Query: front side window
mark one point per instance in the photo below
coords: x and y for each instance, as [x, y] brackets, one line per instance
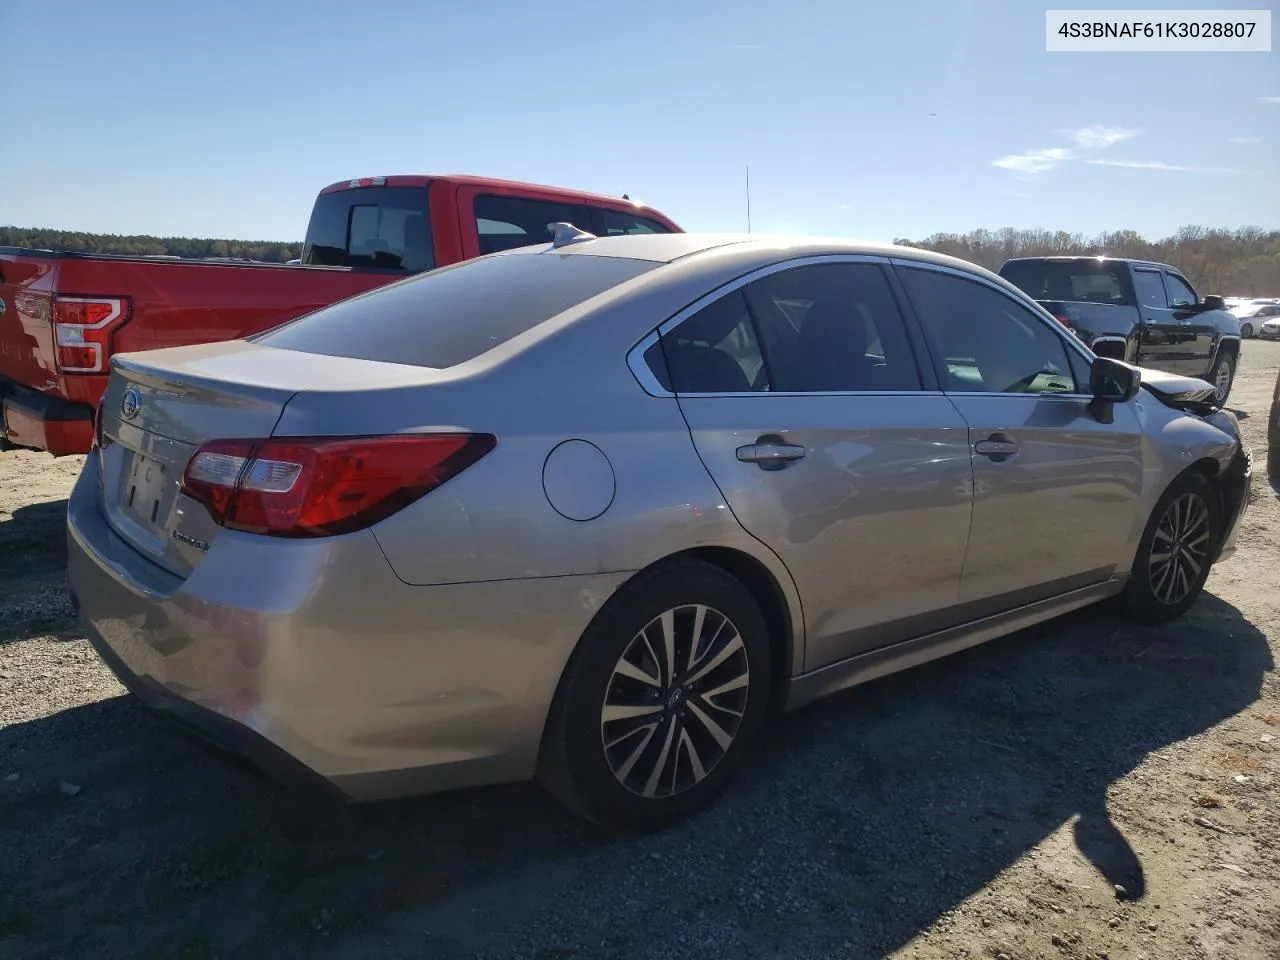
[984, 341]
[1180, 294]
[1150, 289]
[503, 223]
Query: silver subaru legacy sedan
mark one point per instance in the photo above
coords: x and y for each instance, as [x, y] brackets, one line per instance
[596, 511]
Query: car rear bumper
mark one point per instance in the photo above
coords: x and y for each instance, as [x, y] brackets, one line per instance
[311, 661]
[29, 418]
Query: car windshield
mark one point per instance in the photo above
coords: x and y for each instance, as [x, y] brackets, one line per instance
[452, 315]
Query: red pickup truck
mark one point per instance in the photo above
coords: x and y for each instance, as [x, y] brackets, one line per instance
[62, 315]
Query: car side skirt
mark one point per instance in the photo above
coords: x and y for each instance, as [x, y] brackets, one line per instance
[808, 687]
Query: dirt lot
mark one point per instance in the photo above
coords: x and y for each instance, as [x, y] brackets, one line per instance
[1085, 789]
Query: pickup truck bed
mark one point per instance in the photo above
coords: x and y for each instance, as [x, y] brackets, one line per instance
[64, 315]
[50, 407]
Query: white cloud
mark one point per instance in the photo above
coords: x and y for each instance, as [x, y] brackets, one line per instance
[1034, 161]
[1270, 99]
[747, 46]
[1159, 165]
[1099, 137]
[1248, 141]
[1087, 140]
[847, 207]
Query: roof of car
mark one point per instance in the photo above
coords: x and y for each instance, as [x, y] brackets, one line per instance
[749, 248]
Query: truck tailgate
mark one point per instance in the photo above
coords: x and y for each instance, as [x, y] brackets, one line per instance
[26, 329]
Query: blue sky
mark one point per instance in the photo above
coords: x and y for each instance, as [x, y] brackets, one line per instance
[872, 120]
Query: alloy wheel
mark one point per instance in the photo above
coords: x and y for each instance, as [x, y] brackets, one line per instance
[1222, 381]
[1180, 549]
[675, 701]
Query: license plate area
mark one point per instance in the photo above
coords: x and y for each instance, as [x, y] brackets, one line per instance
[146, 490]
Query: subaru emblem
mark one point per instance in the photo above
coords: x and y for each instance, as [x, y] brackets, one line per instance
[130, 404]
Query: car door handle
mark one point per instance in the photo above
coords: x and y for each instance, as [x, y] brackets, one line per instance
[765, 453]
[996, 448]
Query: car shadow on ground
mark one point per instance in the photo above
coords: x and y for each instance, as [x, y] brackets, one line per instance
[33, 558]
[861, 821]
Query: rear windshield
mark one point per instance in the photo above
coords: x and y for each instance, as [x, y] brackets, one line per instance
[1090, 281]
[454, 314]
[377, 227]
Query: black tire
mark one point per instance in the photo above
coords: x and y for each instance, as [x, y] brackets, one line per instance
[1224, 371]
[1246, 330]
[574, 765]
[1146, 597]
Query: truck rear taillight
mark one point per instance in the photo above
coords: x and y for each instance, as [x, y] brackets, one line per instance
[82, 331]
[320, 486]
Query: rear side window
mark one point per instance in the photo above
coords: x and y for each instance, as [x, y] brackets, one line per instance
[714, 351]
[378, 227]
[1087, 281]
[822, 328]
[454, 314]
[503, 223]
[832, 327]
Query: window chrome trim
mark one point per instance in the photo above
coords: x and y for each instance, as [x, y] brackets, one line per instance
[641, 371]
[649, 382]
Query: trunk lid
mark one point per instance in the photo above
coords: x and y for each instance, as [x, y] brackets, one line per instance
[161, 405]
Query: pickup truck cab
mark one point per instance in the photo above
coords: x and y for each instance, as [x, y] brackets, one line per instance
[63, 315]
[1141, 312]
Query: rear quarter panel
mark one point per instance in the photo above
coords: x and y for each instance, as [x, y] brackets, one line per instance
[495, 521]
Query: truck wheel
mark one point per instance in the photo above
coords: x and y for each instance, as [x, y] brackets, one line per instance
[1224, 371]
[662, 701]
[1176, 551]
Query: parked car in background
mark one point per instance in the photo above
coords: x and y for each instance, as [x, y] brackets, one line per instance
[590, 511]
[1253, 315]
[1269, 329]
[63, 315]
[1133, 310]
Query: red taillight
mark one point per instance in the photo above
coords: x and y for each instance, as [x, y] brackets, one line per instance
[320, 486]
[82, 330]
[1063, 319]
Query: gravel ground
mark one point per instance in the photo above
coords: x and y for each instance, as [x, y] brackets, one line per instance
[1086, 789]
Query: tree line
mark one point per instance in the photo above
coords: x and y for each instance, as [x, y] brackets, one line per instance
[1234, 263]
[1231, 263]
[141, 245]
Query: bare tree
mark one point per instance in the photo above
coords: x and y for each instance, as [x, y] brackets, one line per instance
[1244, 262]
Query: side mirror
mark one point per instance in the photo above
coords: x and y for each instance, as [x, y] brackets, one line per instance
[1111, 382]
[1213, 302]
